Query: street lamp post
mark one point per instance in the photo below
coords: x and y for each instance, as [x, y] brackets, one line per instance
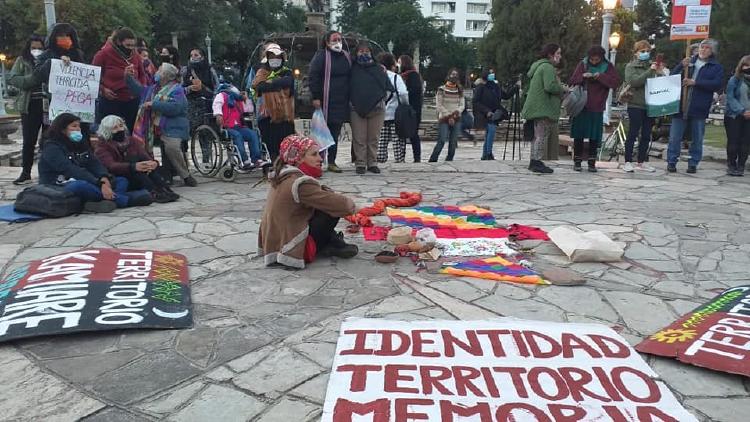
[2, 88]
[49, 13]
[208, 47]
[607, 18]
[614, 42]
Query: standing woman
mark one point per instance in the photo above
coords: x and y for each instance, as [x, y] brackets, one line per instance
[164, 113]
[486, 103]
[737, 118]
[637, 72]
[170, 54]
[450, 103]
[369, 88]
[400, 95]
[200, 82]
[274, 85]
[329, 85]
[542, 103]
[416, 95]
[598, 75]
[30, 102]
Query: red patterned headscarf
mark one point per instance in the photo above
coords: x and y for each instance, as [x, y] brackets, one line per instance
[293, 148]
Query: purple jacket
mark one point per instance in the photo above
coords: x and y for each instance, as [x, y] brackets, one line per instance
[598, 89]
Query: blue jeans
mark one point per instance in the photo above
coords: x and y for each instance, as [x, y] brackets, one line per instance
[489, 139]
[92, 193]
[240, 134]
[448, 133]
[697, 127]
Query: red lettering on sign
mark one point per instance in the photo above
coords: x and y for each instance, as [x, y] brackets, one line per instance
[577, 379]
[359, 375]
[570, 342]
[515, 375]
[448, 409]
[489, 380]
[463, 376]
[345, 409]
[654, 395]
[523, 351]
[536, 385]
[605, 344]
[359, 343]
[505, 412]
[647, 414]
[405, 414]
[494, 337]
[606, 383]
[430, 381]
[566, 413]
[387, 349]
[419, 342]
[393, 376]
[533, 338]
[473, 347]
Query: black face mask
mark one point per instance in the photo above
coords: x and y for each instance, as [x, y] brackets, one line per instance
[746, 71]
[118, 136]
[166, 58]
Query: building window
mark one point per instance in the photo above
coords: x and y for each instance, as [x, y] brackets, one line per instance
[444, 7]
[476, 8]
[448, 24]
[476, 25]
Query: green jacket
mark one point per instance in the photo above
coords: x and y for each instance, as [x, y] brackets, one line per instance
[545, 90]
[636, 73]
[21, 77]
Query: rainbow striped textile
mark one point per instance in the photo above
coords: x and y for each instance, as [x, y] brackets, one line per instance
[496, 268]
[443, 217]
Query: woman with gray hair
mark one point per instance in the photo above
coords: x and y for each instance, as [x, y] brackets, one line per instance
[163, 113]
[125, 156]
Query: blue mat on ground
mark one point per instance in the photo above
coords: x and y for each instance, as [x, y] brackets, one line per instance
[7, 213]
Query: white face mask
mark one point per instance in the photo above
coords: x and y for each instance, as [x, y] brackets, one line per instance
[35, 52]
[275, 63]
[337, 47]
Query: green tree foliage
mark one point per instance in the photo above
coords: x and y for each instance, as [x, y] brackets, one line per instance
[729, 20]
[651, 18]
[520, 29]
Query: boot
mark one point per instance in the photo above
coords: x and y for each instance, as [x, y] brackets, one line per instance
[339, 248]
[538, 166]
[592, 166]
[577, 164]
[731, 169]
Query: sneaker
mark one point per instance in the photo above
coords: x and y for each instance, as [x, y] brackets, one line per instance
[100, 207]
[333, 168]
[537, 166]
[360, 170]
[262, 163]
[628, 167]
[644, 167]
[374, 169]
[577, 165]
[692, 169]
[23, 179]
[190, 181]
[672, 168]
[248, 165]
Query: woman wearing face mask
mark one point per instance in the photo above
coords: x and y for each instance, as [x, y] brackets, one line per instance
[200, 82]
[170, 54]
[637, 72]
[274, 84]
[67, 160]
[329, 85]
[737, 118]
[301, 215]
[414, 85]
[125, 156]
[542, 105]
[599, 76]
[163, 112]
[30, 102]
[369, 87]
[450, 103]
[486, 104]
[399, 96]
[118, 53]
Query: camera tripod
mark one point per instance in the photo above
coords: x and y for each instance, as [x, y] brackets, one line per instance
[514, 126]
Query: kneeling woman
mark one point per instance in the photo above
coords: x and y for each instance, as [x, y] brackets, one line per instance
[67, 160]
[126, 156]
[301, 214]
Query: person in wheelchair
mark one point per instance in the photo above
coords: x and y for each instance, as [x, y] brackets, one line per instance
[229, 107]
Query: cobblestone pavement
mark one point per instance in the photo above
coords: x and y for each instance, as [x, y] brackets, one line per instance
[263, 340]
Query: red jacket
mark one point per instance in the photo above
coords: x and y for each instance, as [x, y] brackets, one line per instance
[113, 70]
[598, 89]
[121, 163]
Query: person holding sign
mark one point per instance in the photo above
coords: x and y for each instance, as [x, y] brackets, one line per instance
[118, 53]
[704, 77]
[737, 118]
[637, 72]
[598, 76]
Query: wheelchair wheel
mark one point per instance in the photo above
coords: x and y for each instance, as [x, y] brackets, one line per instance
[206, 150]
[228, 174]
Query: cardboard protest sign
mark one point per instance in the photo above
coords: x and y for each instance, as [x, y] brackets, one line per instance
[502, 370]
[715, 335]
[74, 88]
[96, 289]
[663, 95]
[690, 19]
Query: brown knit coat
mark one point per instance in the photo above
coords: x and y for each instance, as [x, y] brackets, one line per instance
[290, 206]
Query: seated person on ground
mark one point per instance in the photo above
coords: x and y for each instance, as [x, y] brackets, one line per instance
[229, 106]
[68, 160]
[301, 215]
[126, 156]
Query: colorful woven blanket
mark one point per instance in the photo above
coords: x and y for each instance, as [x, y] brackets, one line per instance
[515, 231]
[443, 217]
[495, 268]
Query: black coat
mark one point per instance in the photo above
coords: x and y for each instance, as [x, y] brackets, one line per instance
[416, 95]
[487, 100]
[369, 87]
[338, 97]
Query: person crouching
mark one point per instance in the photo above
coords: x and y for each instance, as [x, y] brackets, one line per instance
[301, 214]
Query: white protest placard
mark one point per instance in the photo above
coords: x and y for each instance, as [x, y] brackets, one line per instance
[663, 95]
[491, 371]
[74, 88]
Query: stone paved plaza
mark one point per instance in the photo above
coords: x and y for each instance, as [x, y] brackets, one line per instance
[263, 340]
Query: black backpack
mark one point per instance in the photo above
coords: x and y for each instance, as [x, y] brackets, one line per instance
[48, 200]
[405, 118]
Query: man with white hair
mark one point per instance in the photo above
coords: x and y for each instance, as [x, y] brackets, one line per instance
[705, 76]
